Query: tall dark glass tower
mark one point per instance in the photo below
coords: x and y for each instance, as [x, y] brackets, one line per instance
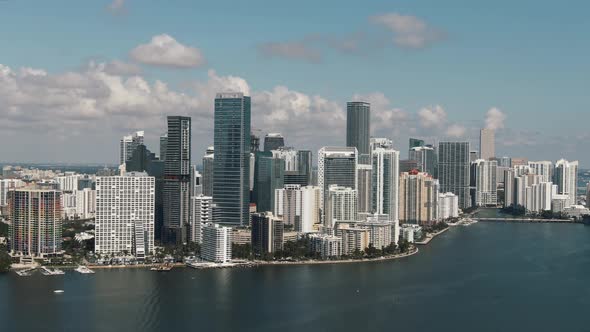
[269, 176]
[273, 141]
[358, 129]
[177, 169]
[231, 171]
[453, 170]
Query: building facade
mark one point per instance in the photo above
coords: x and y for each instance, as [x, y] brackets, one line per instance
[336, 166]
[298, 206]
[216, 245]
[385, 182]
[453, 170]
[358, 128]
[419, 195]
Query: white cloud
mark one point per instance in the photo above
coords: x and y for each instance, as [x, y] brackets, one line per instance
[118, 67]
[432, 117]
[456, 131]
[163, 50]
[408, 31]
[299, 50]
[495, 119]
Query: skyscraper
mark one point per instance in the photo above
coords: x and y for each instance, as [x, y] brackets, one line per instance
[128, 144]
[566, 179]
[453, 170]
[485, 176]
[425, 157]
[385, 182]
[177, 169]
[365, 188]
[297, 165]
[340, 205]
[419, 194]
[269, 176]
[163, 145]
[231, 174]
[298, 206]
[358, 129]
[487, 144]
[208, 166]
[336, 165]
[273, 141]
[125, 211]
[35, 229]
[415, 143]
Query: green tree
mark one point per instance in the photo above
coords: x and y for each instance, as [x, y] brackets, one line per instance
[404, 245]
[5, 260]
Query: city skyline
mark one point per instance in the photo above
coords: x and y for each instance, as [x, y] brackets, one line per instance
[63, 105]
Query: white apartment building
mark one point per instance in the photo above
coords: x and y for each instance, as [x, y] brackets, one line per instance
[385, 182]
[5, 186]
[201, 213]
[217, 242]
[340, 206]
[125, 214]
[566, 179]
[326, 245]
[486, 184]
[68, 181]
[542, 168]
[448, 206]
[298, 206]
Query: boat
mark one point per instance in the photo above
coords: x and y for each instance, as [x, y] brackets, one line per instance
[25, 273]
[84, 270]
[51, 272]
[58, 291]
[162, 268]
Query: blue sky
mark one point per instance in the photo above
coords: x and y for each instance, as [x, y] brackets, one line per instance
[528, 59]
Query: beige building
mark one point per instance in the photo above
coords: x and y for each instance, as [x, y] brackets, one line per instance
[418, 199]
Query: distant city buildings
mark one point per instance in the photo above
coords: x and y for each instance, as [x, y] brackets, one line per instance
[128, 144]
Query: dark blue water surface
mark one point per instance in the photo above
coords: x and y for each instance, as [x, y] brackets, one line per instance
[484, 277]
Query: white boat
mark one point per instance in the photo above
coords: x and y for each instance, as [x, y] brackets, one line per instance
[84, 270]
[58, 291]
[51, 272]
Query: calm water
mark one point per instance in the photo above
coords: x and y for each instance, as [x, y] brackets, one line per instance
[485, 277]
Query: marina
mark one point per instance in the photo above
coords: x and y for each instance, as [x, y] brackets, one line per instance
[51, 272]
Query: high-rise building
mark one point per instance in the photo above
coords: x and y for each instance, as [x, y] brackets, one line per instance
[297, 165]
[208, 166]
[231, 173]
[340, 205]
[273, 141]
[543, 168]
[453, 170]
[486, 184]
[196, 182]
[365, 188]
[448, 206]
[385, 182]
[380, 142]
[336, 165]
[415, 143]
[216, 246]
[163, 145]
[35, 222]
[201, 213]
[7, 185]
[487, 144]
[269, 176]
[177, 169]
[358, 129]
[509, 187]
[566, 179]
[425, 157]
[418, 201]
[298, 206]
[267, 233]
[505, 162]
[128, 144]
[125, 210]
[254, 143]
[473, 156]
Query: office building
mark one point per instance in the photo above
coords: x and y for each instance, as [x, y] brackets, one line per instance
[201, 213]
[267, 233]
[231, 174]
[128, 144]
[486, 184]
[358, 129]
[216, 245]
[336, 166]
[487, 144]
[385, 182]
[177, 182]
[418, 198]
[365, 188]
[425, 157]
[299, 207]
[340, 205]
[566, 179]
[35, 222]
[269, 176]
[453, 170]
[125, 210]
[273, 141]
[208, 166]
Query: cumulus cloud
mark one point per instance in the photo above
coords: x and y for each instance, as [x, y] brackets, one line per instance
[495, 119]
[384, 117]
[164, 50]
[408, 31]
[432, 117]
[117, 67]
[456, 131]
[298, 50]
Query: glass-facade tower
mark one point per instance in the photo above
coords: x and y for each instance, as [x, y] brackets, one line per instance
[358, 129]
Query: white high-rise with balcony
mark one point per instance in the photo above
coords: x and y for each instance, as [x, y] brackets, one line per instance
[341, 205]
[385, 182]
[216, 245]
[125, 214]
[298, 206]
[566, 179]
[201, 213]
